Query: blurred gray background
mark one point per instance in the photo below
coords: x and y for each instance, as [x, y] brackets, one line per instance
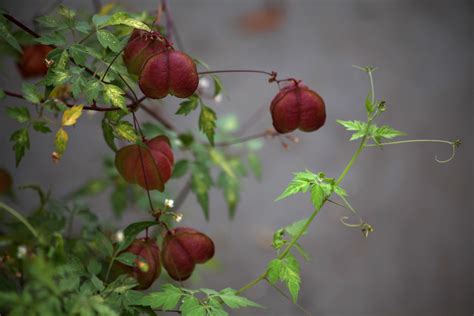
[420, 259]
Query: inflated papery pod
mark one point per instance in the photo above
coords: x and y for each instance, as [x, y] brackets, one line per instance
[149, 166]
[147, 265]
[297, 107]
[141, 46]
[182, 249]
[32, 61]
[169, 72]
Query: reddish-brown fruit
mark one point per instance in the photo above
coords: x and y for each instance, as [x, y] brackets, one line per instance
[32, 61]
[148, 265]
[169, 72]
[297, 107]
[183, 248]
[141, 45]
[149, 167]
[5, 181]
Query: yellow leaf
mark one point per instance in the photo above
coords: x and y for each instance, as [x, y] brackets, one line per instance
[71, 115]
[106, 8]
[60, 142]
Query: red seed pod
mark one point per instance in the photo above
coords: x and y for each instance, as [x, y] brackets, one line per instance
[169, 72]
[5, 181]
[141, 45]
[183, 248]
[157, 164]
[296, 106]
[32, 61]
[148, 265]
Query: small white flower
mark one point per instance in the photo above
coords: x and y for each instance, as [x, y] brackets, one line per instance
[21, 251]
[218, 98]
[91, 113]
[204, 83]
[169, 203]
[119, 236]
[178, 217]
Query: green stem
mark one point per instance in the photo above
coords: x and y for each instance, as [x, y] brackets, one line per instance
[295, 239]
[109, 268]
[20, 217]
[413, 141]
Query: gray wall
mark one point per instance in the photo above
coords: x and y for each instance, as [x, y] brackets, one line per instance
[420, 259]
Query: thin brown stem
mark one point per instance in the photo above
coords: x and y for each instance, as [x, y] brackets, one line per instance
[21, 25]
[267, 133]
[170, 26]
[271, 74]
[135, 122]
[280, 291]
[158, 117]
[92, 107]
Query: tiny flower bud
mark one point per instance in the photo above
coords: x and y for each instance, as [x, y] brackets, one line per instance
[218, 98]
[178, 217]
[119, 236]
[204, 83]
[21, 251]
[169, 203]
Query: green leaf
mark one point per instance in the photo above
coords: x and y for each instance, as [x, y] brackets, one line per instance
[78, 53]
[166, 299]
[20, 114]
[123, 19]
[387, 132]
[60, 141]
[231, 299]
[56, 77]
[55, 38]
[109, 40]
[119, 198]
[83, 27]
[129, 259]
[125, 130]
[71, 115]
[218, 87]
[207, 123]
[92, 90]
[132, 231]
[340, 191]
[222, 161]
[104, 244]
[352, 125]
[41, 127]
[188, 105]
[201, 182]
[115, 96]
[192, 307]
[273, 270]
[288, 271]
[2, 94]
[180, 168]
[255, 165]
[21, 141]
[317, 196]
[78, 85]
[108, 132]
[8, 37]
[231, 190]
[30, 93]
[294, 228]
[300, 183]
[369, 106]
[50, 21]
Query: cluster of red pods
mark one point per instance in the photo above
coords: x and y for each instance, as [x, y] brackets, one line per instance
[182, 249]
